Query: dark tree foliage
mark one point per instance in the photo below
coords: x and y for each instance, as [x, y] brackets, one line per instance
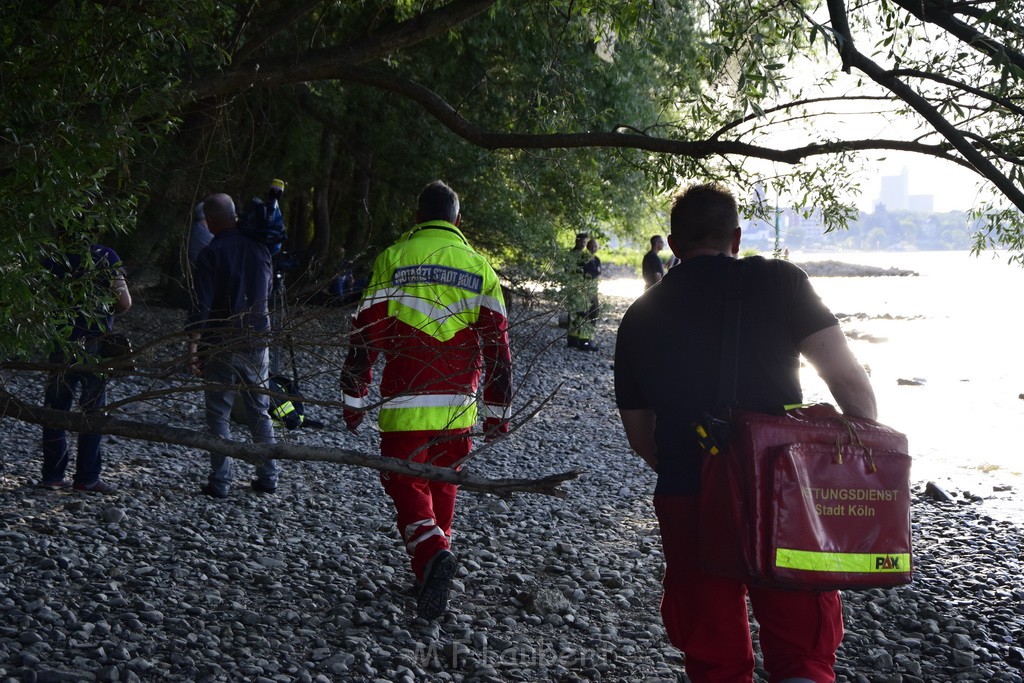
[548, 117]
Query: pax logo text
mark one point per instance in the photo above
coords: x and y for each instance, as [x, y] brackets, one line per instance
[887, 562]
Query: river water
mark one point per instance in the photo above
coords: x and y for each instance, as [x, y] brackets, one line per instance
[945, 355]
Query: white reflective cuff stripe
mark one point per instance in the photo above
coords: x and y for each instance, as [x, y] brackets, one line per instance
[411, 545]
[379, 296]
[497, 412]
[355, 402]
[492, 303]
[411, 528]
[430, 401]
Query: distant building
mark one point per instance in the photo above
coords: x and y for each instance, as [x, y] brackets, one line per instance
[894, 191]
[895, 195]
[923, 203]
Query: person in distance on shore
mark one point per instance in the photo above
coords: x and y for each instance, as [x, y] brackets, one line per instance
[581, 328]
[667, 367]
[434, 308]
[652, 266]
[591, 276]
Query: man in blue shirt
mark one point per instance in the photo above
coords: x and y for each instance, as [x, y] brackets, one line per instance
[232, 324]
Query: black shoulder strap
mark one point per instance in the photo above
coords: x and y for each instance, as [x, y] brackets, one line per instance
[727, 375]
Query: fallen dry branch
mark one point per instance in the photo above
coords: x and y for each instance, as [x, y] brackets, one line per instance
[12, 407]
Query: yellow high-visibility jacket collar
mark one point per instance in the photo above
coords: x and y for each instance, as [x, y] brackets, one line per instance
[440, 225]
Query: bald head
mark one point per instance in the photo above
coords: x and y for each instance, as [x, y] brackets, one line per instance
[220, 212]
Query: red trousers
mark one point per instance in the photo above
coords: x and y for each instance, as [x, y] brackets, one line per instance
[425, 508]
[706, 615]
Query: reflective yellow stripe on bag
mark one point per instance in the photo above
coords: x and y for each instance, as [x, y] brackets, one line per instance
[858, 563]
[282, 410]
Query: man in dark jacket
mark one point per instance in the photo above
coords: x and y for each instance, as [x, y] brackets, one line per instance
[232, 324]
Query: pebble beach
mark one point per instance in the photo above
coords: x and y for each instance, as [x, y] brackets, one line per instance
[158, 582]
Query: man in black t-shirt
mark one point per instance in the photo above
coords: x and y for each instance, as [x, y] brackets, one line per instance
[652, 267]
[667, 366]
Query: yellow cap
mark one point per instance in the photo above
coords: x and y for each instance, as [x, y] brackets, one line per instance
[279, 184]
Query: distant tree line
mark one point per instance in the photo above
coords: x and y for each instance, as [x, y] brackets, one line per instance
[880, 230]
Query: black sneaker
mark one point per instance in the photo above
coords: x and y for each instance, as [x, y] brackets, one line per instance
[213, 492]
[260, 487]
[437, 581]
[587, 346]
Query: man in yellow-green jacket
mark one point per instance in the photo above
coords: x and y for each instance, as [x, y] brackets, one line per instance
[434, 308]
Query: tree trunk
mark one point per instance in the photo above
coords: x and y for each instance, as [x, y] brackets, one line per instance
[359, 208]
[318, 250]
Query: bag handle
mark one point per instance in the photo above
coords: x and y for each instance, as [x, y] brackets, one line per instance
[855, 440]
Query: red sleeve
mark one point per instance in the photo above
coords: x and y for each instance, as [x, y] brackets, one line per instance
[363, 349]
[493, 328]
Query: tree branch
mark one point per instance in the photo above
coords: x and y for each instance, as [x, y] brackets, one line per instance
[842, 33]
[955, 136]
[10, 406]
[987, 16]
[318, 65]
[344, 64]
[291, 13]
[944, 80]
[698, 149]
[790, 105]
[940, 14]
[996, 150]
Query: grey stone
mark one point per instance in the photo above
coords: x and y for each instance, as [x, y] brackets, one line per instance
[113, 515]
[548, 601]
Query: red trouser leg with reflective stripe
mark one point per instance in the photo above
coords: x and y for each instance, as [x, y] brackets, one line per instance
[425, 508]
[706, 616]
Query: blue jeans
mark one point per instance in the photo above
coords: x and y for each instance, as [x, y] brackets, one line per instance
[59, 394]
[242, 371]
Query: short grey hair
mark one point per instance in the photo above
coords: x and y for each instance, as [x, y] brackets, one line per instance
[438, 202]
[219, 209]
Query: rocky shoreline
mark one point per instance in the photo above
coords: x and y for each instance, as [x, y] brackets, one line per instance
[841, 269]
[159, 583]
[828, 268]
